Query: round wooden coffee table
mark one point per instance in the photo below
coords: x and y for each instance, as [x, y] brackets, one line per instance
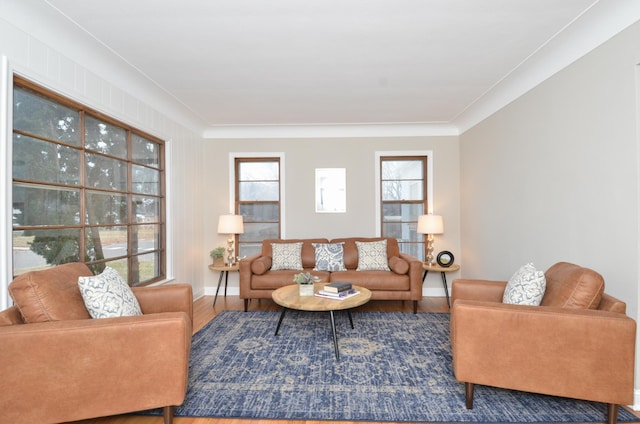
[288, 298]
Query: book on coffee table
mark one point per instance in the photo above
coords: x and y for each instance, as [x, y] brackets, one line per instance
[337, 296]
[337, 287]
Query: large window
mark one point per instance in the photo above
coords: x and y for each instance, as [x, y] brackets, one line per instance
[403, 189]
[86, 188]
[257, 194]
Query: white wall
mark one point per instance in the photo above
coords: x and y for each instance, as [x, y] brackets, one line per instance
[44, 48]
[357, 155]
[554, 175]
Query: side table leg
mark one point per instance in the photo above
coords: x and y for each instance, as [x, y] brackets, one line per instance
[218, 289]
[350, 318]
[335, 335]
[284, 310]
[226, 282]
[426, 271]
[446, 288]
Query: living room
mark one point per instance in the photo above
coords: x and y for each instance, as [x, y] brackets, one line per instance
[551, 174]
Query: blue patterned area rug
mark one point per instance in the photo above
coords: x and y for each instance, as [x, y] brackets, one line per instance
[393, 367]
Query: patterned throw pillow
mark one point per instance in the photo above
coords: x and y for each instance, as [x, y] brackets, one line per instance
[107, 295]
[525, 287]
[329, 256]
[286, 256]
[372, 256]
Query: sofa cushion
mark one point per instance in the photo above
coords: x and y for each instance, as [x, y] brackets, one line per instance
[51, 294]
[525, 287]
[398, 265]
[573, 286]
[329, 256]
[372, 256]
[107, 295]
[286, 256]
[261, 265]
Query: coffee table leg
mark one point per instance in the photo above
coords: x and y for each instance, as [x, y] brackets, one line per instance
[335, 335]
[350, 319]
[280, 320]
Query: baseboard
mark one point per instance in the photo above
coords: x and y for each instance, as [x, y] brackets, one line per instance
[235, 291]
[636, 400]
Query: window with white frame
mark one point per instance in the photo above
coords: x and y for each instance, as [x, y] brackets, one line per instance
[403, 198]
[257, 199]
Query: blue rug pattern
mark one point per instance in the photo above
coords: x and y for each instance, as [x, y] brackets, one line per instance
[393, 367]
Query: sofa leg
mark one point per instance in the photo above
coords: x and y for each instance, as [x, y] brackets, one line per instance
[415, 306]
[246, 305]
[167, 413]
[468, 394]
[612, 413]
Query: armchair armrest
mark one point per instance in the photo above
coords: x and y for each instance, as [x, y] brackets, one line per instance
[484, 290]
[63, 371]
[165, 298]
[577, 353]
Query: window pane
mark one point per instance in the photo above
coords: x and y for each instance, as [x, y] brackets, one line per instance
[258, 232]
[145, 268]
[44, 205]
[106, 173]
[145, 238]
[402, 211]
[414, 249]
[249, 191]
[145, 180]
[248, 249]
[120, 265]
[39, 160]
[34, 248]
[402, 190]
[145, 152]
[259, 171]
[105, 138]
[38, 115]
[402, 231]
[259, 212]
[106, 242]
[146, 209]
[402, 170]
[104, 208]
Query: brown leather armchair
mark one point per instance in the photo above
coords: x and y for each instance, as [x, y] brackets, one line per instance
[578, 343]
[58, 370]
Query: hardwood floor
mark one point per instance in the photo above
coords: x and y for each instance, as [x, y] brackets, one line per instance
[203, 312]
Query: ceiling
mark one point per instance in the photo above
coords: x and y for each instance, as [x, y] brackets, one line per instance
[270, 63]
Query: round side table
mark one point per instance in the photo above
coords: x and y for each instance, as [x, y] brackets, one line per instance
[443, 274]
[223, 270]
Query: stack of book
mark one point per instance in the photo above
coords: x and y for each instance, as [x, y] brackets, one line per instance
[337, 290]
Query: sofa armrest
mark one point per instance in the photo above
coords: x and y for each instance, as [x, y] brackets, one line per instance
[415, 275]
[63, 371]
[245, 274]
[165, 298]
[483, 290]
[577, 353]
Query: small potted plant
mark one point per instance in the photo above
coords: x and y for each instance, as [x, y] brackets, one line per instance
[305, 283]
[217, 255]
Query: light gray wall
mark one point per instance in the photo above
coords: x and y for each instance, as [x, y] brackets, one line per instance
[357, 155]
[554, 175]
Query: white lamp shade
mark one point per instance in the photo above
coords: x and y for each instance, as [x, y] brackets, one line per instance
[430, 224]
[230, 224]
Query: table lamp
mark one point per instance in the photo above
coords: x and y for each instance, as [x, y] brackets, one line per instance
[232, 225]
[430, 225]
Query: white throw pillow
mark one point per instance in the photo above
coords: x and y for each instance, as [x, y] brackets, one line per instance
[372, 256]
[525, 287]
[286, 256]
[107, 295]
[329, 256]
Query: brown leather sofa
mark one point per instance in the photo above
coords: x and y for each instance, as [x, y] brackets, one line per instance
[402, 282]
[58, 365]
[578, 343]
